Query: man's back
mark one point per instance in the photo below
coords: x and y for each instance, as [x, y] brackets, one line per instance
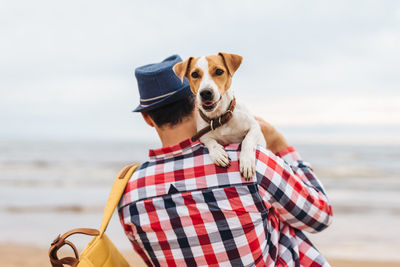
[180, 209]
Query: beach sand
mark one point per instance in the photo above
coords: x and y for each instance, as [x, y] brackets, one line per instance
[20, 255]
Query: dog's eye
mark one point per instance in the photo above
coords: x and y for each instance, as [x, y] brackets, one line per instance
[219, 72]
[195, 75]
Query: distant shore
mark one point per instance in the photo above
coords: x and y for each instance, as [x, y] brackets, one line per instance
[21, 255]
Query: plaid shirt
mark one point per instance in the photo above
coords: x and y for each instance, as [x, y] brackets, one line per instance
[180, 209]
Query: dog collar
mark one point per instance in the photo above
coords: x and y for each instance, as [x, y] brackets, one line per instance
[215, 122]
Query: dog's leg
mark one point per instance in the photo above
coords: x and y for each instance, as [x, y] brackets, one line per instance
[247, 155]
[217, 152]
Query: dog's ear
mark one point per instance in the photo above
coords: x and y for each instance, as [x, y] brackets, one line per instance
[182, 68]
[231, 61]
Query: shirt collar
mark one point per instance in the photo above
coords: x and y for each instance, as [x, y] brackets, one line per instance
[174, 150]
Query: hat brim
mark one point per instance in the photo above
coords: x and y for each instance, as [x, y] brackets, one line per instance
[179, 94]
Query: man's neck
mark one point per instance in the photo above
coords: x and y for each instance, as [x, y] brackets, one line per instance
[173, 135]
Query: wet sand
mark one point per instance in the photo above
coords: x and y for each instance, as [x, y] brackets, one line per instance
[20, 255]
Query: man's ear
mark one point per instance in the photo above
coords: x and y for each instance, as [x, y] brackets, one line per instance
[231, 61]
[182, 68]
[148, 119]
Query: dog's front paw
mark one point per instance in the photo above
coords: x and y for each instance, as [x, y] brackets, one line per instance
[247, 166]
[219, 156]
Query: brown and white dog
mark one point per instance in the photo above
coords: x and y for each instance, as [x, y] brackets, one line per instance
[210, 80]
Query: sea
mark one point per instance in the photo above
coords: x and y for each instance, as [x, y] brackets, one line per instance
[50, 187]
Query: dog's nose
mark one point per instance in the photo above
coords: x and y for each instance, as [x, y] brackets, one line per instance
[206, 95]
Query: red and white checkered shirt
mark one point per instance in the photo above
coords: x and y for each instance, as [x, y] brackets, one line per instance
[180, 209]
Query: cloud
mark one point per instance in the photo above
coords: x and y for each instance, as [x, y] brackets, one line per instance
[66, 64]
[354, 110]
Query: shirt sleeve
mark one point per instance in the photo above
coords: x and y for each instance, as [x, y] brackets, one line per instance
[130, 233]
[289, 186]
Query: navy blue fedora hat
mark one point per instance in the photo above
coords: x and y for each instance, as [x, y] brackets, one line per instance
[158, 85]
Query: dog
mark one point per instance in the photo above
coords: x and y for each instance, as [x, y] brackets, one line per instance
[220, 121]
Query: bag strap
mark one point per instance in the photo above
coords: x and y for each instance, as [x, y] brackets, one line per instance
[117, 190]
[115, 195]
[60, 241]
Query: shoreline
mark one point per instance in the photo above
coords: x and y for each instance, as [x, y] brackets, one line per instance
[35, 256]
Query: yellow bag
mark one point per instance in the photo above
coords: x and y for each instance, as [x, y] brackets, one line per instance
[100, 251]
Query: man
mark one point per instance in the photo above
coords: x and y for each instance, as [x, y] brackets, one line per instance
[180, 209]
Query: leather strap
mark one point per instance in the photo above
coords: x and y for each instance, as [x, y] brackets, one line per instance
[216, 122]
[60, 241]
[116, 192]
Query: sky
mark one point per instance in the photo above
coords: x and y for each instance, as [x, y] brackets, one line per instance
[320, 71]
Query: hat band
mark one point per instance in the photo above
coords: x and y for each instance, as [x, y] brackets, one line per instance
[148, 101]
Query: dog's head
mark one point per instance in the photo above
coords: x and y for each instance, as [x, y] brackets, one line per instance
[209, 77]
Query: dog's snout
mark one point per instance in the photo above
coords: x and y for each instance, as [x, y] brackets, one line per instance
[206, 95]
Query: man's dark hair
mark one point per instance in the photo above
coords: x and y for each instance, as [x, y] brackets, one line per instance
[173, 113]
